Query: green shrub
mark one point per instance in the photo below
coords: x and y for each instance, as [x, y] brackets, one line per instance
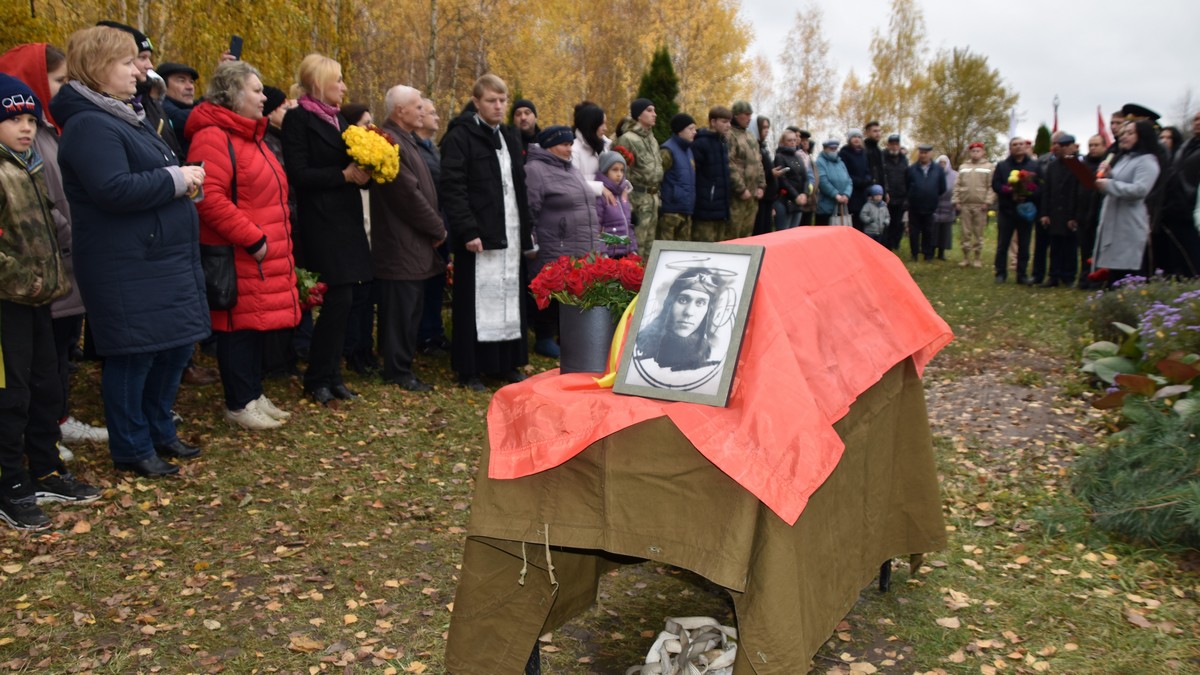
[1144, 484]
[1128, 300]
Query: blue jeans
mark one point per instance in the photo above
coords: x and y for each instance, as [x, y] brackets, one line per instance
[783, 219]
[139, 391]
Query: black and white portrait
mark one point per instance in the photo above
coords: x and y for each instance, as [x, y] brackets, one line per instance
[690, 318]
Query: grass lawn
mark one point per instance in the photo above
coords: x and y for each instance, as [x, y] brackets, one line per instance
[332, 545]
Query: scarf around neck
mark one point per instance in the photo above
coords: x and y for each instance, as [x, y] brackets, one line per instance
[321, 109]
[29, 160]
[129, 110]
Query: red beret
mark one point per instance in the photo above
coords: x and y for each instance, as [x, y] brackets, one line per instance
[976, 144]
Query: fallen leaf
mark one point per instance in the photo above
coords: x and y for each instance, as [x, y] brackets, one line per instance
[863, 667]
[82, 527]
[305, 644]
[349, 619]
[1137, 619]
[12, 569]
[212, 624]
[949, 622]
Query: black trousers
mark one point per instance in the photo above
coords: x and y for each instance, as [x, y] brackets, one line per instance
[921, 234]
[1177, 246]
[1062, 258]
[400, 305]
[31, 399]
[66, 335]
[1041, 252]
[1009, 224]
[895, 228]
[360, 326]
[328, 338]
[240, 360]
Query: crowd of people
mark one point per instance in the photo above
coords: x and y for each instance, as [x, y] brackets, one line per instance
[169, 220]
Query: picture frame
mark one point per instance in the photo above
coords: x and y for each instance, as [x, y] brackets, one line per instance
[687, 329]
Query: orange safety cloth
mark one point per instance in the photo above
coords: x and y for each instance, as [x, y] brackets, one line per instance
[832, 312]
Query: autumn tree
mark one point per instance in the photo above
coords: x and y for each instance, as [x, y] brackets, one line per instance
[660, 85]
[763, 93]
[895, 86]
[966, 101]
[851, 110]
[807, 69]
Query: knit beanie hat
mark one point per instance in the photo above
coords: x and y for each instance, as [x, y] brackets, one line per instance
[854, 133]
[16, 98]
[608, 158]
[639, 106]
[555, 135]
[143, 42]
[681, 122]
[275, 98]
[524, 103]
[875, 190]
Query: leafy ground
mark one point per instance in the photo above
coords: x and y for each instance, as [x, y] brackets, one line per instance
[332, 545]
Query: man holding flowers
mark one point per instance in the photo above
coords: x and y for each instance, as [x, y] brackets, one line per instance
[1016, 182]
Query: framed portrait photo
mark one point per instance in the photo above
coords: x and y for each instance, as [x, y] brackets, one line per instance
[691, 314]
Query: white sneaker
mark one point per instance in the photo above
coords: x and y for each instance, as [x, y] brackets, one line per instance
[252, 418]
[268, 408]
[74, 431]
[65, 454]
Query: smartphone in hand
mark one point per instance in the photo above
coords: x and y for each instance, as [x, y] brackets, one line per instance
[235, 46]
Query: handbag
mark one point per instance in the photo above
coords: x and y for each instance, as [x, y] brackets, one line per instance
[216, 260]
[841, 217]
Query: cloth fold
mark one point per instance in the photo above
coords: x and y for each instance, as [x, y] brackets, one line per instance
[832, 312]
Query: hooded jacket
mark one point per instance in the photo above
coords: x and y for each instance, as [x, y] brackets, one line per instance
[31, 272]
[835, 180]
[136, 235]
[646, 173]
[267, 298]
[562, 207]
[27, 63]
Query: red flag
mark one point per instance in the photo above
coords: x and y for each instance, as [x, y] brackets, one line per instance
[1103, 128]
[1055, 129]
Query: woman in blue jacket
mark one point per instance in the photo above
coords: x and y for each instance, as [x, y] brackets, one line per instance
[833, 181]
[136, 247]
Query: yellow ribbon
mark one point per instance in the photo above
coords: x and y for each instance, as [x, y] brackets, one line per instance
[614, 350]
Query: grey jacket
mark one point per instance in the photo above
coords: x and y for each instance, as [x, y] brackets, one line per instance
[562, 207]
[1124, 221]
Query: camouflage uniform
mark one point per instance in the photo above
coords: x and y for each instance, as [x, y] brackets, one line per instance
[745, 173]
[31, 271]
[646, 177]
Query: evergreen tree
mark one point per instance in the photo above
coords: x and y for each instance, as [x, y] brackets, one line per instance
[659, 84]
[1041, 142]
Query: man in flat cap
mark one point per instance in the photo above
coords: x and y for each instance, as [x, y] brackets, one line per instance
[747, 180]
[973, 197]
[181, 95]
[1058, 220]
[636, 133]
[895, 171]
[926, 181]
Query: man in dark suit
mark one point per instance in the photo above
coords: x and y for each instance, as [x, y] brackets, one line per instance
[406, 230]
[483, 196]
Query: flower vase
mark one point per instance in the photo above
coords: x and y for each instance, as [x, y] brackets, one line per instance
[584, 336]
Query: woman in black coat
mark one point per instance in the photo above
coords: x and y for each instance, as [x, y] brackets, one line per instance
[135, 235]
[329, 229]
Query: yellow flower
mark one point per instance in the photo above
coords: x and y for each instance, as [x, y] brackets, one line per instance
[1014, 177]
[372, 151]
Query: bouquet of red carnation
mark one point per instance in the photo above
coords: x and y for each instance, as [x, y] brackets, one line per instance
[593, 281]
[625, 153]
[312, 292]
[1021, 184]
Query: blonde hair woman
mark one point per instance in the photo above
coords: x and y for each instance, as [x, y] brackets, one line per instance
[330, 239]
[136, 251]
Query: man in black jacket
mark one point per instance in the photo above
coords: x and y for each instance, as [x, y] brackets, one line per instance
[710, 218]
[1058, 221]
[1008, 221]
[875, 154]
[483, 195]
[895, 171]
[926, 181]
[854, 156]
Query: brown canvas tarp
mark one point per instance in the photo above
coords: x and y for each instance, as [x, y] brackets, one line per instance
[646, 492]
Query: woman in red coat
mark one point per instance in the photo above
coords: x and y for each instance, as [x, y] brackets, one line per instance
[245, 206]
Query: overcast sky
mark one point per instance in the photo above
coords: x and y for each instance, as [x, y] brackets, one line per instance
[1088, 52]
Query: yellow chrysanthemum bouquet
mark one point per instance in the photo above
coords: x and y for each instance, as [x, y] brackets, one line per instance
[373, 150]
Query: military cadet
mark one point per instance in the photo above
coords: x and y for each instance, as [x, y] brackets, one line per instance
[636, 133]
[747, 181]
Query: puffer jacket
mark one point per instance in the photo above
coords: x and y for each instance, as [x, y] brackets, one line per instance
[712, 176]
[835, 180]
[974, 186]
[31, 271]
[561, 206]
[267, 298]
[616, 219]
